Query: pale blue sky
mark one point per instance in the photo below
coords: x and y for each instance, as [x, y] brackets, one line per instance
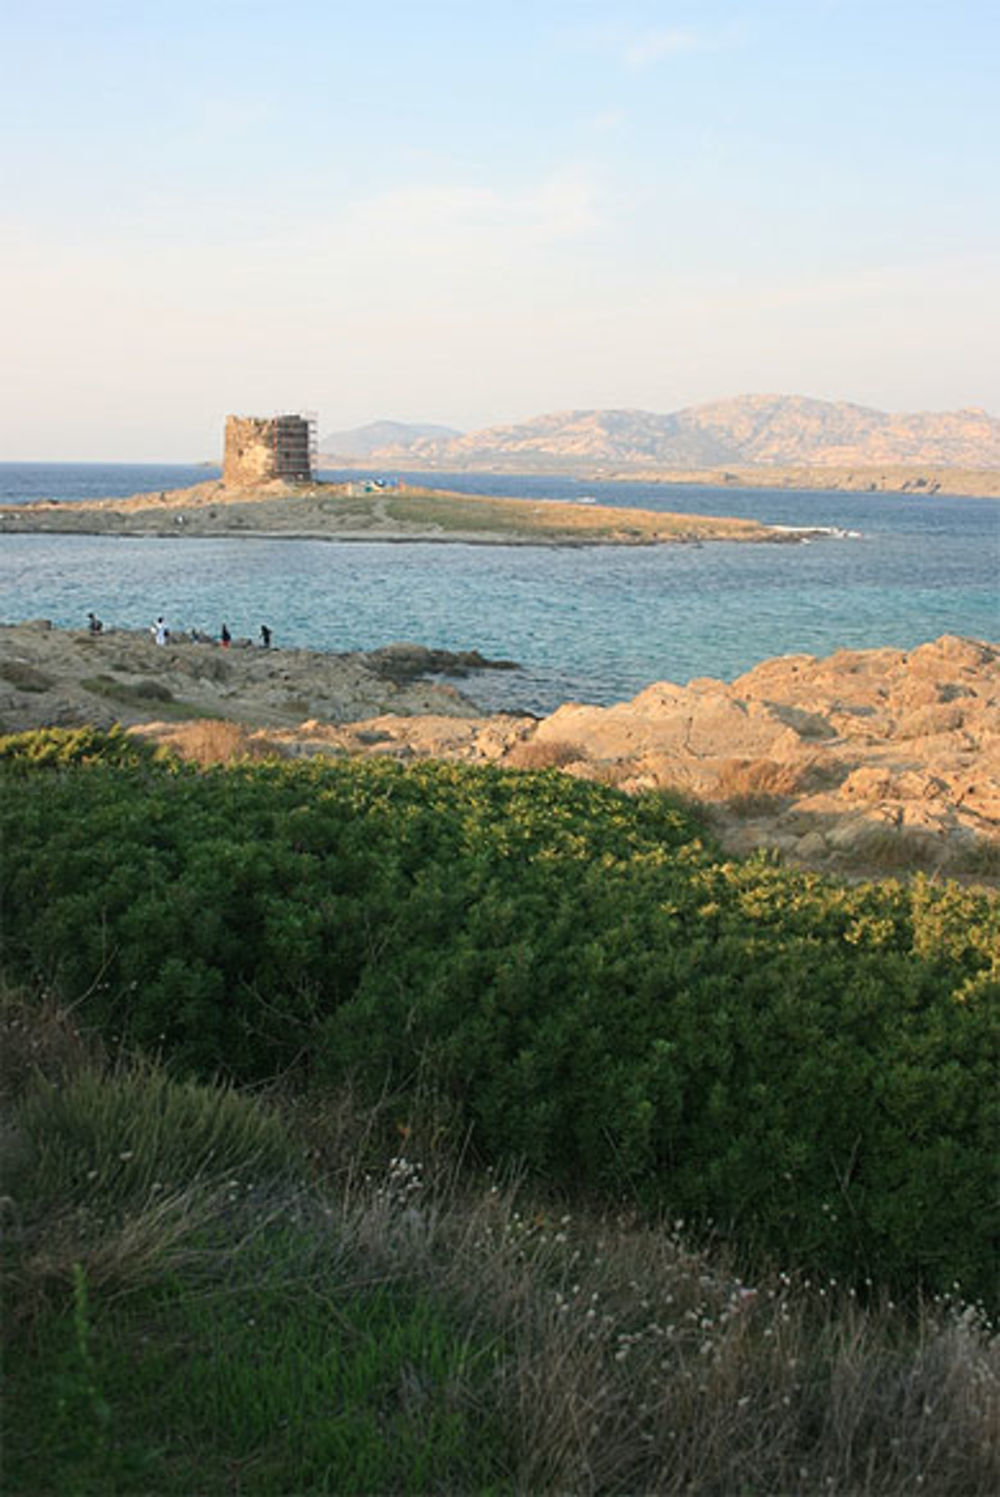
[473, 212]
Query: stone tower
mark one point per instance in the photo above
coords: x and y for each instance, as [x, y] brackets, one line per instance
[261, 448]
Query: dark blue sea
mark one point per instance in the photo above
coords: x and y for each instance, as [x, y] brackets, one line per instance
[593, 624]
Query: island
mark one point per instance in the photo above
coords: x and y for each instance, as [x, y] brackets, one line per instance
[362, 511]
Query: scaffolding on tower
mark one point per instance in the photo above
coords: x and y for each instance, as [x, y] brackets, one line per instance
[311, 418]
[293, 445]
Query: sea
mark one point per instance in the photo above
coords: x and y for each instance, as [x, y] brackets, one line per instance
[590, 624]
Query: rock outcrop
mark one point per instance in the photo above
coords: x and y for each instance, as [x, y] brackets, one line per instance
[58, 677]
[865, 762]
[887, 758]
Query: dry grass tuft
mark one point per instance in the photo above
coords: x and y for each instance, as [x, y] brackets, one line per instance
[977, 859]
[128, 693]
[25, 677]
[887, 849]
[757, 787]
[629, 1361]
[39, 1041]
[930, 722]
[217, 741]
[118, 1254]
[111, 1166]
[533, 753]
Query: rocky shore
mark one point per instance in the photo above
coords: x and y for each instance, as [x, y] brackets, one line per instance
[63, 677]
[866, 762]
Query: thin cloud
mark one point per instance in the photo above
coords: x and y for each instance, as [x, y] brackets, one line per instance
[650, 47]
[955, 279]
[638, 50]
[231, 116]
[436, 218]
[608, 121]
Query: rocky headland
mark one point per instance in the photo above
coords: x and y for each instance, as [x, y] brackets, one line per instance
[864, 763]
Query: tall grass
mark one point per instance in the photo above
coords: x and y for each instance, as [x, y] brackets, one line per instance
[323, 1300]
[220, 741]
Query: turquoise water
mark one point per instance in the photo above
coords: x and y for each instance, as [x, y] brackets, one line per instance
[591, 624]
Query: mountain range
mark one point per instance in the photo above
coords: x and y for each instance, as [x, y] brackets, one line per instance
[757, 431]
[379, 436]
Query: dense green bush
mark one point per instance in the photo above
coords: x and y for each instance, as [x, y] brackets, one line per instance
[589, 986]
[61, 746]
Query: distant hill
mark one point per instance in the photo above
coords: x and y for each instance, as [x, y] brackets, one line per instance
[362, 441]
[747, 431]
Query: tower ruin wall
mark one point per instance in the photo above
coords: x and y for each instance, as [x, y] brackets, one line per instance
[261, 448]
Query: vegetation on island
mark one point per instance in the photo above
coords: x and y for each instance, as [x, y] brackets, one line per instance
[398, 511]
[445, 1128]
[560, 520]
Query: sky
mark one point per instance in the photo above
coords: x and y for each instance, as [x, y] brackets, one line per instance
[472, 212]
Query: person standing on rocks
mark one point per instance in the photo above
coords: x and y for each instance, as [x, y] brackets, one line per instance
[160, 631]
[265, 636]
[225, 637]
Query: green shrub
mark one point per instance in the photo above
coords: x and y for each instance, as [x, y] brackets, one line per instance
[808, 1066]
[128, 693]
[58, 747]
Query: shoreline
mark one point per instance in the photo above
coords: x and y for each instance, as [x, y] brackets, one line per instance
[780, 535]
[865, 763]
[918, 482]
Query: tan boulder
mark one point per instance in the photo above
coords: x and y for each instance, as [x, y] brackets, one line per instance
[878, 757]
[867, 761]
